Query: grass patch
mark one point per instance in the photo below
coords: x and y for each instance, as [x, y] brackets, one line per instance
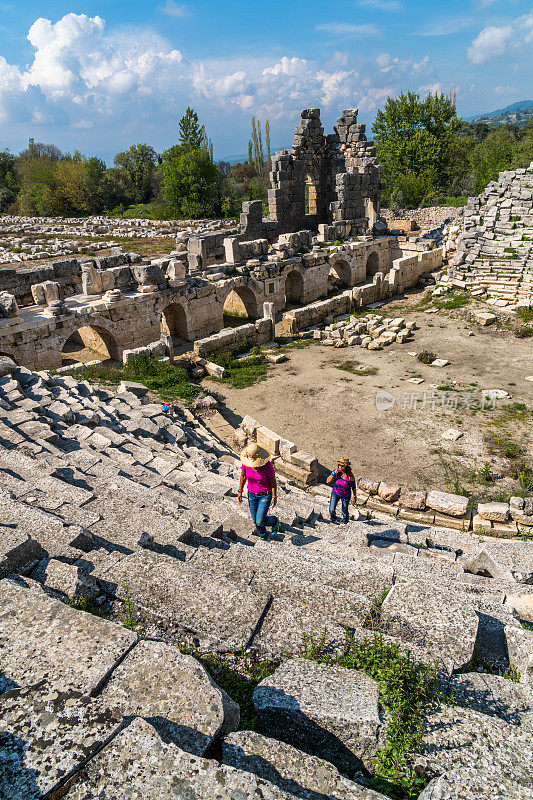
[167, 381]
[525, 332]
[356, 369]
[453, 301]
[83, 603]
[405, 687]
[525, 314]
[238, 674]
[499, 444]
[242, 372]
[426, 357]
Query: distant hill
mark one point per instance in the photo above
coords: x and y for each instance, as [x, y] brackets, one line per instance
[516, 114]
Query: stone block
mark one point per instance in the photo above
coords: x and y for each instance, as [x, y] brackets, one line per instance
[268, 439]
[413, 499]
[368, 485]
[139, 763]
[445, 503]
[330, 711]
[304, 460]
[8, 306]
[496, 512]
[42, 638]
[389, 492]
[173, 690]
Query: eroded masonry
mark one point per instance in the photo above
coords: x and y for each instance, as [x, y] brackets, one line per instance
[323, 236]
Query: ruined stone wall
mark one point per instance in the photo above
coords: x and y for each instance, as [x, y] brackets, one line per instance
[325, 179]
[232, 340]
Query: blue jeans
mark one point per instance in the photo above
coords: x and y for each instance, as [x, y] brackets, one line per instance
[259, 505]
[345, 502]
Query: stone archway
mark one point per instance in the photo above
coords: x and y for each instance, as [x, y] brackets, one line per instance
[294, 287]
[372, 264]
[240, 304]
[174, 323]
[90, 343]
[340, 275]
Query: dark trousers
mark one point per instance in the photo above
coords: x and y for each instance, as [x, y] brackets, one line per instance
[345, 502]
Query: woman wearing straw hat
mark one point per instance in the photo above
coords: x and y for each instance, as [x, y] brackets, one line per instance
[258, 471]
[342, 482]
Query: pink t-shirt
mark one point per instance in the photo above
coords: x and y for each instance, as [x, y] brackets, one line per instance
[258, 479]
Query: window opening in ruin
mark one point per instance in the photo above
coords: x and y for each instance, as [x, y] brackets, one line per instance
[372, 264]
[310, 196]
[271, 288]
[89, 343]
[174, 323]
[240, 307]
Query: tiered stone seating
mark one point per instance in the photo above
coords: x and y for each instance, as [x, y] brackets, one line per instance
[104, 496]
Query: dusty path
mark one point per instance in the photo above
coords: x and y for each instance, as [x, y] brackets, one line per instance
[329, 412]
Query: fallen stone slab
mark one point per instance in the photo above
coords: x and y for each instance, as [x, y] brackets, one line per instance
[493, 696]
[496, 512]
[434, 617]
[328, 711]
[453, 504]
[293, 771]
[18, 551]
[481, 563]
[214, 611]
[46, 735]
[457, 737]
[138, 389]
[138, 764]
[174, 693]
[522, 605]
[469, 783]
[43, 638]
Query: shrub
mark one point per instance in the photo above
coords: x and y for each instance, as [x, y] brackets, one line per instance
[426, 357]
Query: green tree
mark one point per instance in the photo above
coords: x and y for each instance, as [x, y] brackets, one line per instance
[192, 134]
[35, 168]
[138, 165]
[8, 179]
[415, 137]
[267, 140]
[190, 182]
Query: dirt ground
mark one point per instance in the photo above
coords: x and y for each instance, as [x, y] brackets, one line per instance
[331, 412]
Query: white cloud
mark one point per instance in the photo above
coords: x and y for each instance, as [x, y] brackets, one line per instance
[492, 41]
[446, 27]
[505, 90]
[345, 29]
[173, 9]
[496, 40]
[382, 5]
[131, 85]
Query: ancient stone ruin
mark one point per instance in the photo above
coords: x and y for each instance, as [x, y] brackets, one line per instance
[495, 250]
[121, 301]
[128, 568]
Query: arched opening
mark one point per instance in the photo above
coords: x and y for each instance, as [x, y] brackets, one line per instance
[294, 287]
[372, 264]
[8, 355]
[174, 323]
[340, 276]
[310, 195]
[240, 307]
[89, 343]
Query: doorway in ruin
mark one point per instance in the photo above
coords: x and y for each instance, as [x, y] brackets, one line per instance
[310, 189]
[240, 307]
[90, 343]
[294, 288]
[372, 265]
[340, 276]
[174, 323]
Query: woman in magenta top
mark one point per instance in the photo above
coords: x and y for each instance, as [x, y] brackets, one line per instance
[258, 471]
[342, 482]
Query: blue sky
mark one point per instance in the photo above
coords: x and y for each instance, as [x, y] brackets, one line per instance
[99, 76]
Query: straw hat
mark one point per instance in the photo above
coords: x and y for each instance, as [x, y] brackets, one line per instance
[344, 462]
[255, 456]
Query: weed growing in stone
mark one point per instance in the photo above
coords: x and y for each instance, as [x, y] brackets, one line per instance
[426, 357]
[238, 674]
[83, 603]
[405, 687]
[130, 618]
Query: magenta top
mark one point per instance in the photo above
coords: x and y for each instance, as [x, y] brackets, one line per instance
[259, 479]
